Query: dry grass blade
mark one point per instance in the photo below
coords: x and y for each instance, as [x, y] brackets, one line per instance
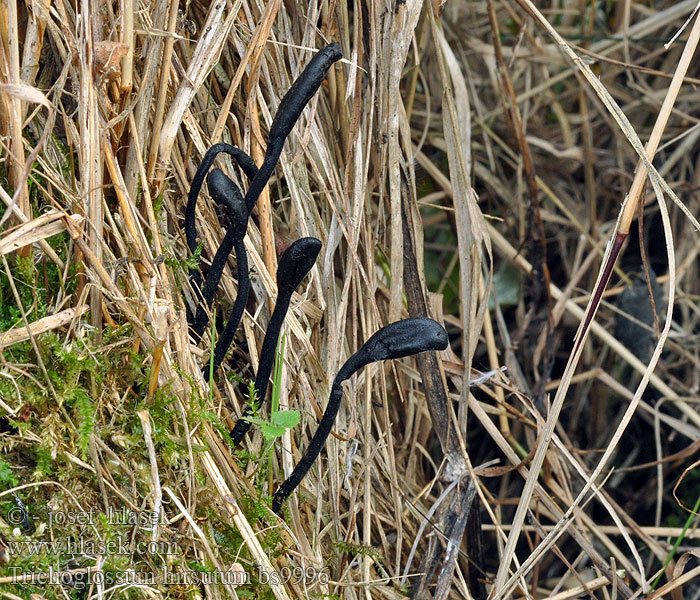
[257, 151]
[397, 43]
[13, 115]
[37, 230]
[204, 57]
[20, 334]
[25, 93]
[25, 219]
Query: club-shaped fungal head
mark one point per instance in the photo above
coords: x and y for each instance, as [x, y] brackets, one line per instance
[226, 193]
[295, 263]
[396, 340]
[303, 89]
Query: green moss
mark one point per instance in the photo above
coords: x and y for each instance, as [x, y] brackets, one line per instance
[7, 477]
[45, 463]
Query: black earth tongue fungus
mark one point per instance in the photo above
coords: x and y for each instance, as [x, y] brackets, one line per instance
[226, 193]
[403, 338]
[287, 115]
[293, 266]
[249, 168]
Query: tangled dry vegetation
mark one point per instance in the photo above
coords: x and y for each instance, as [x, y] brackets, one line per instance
[461, 162]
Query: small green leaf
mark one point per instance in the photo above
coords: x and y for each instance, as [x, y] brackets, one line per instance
[286, 419]
[255, 420]
[270, 431]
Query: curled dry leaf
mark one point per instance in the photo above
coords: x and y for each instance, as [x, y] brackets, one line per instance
[107, 58]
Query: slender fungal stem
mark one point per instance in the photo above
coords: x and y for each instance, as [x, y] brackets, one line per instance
[249, 168]
[403, 338]
[294, 264]
[262, 377]
[239, 305]
[226, 193]
[315, 446]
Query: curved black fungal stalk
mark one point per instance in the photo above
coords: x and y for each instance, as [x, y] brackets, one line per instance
[239, 304]
[226, 193]
[294, 264]
[245, 162]
[249, 168]
[287, 115]
[403, 338]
